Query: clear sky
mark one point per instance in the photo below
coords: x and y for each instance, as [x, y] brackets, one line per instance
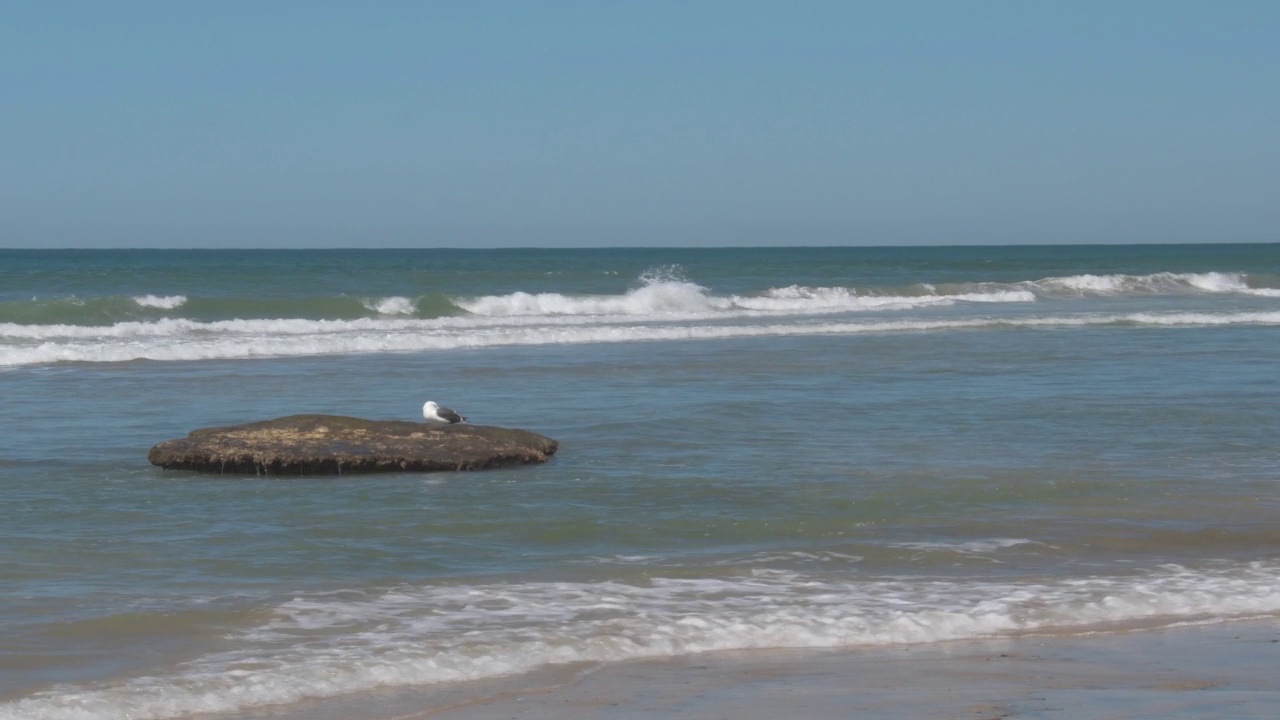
[487, 123]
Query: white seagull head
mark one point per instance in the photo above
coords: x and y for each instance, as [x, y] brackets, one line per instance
[433, 413]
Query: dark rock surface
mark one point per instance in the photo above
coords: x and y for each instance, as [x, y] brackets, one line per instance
[337, 445]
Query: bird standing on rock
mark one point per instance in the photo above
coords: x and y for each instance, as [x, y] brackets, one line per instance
[433, 413]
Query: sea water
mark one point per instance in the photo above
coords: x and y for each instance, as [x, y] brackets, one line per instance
[759, 448]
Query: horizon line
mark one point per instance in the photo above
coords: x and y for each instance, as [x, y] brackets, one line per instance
[644, 247]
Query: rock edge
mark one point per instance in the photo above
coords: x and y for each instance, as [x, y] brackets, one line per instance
[339, 445]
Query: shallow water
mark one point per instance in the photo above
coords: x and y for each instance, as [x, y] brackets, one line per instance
[759, 448]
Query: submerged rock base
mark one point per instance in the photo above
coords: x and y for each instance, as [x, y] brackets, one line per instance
[338, 445]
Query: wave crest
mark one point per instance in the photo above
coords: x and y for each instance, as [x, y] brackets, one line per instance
[395, 305]
[665, 292]
[656, 298]
[166, 302]
[1155, 283]
[173, 339]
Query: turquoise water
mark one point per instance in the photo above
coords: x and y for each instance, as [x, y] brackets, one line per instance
[759, 448]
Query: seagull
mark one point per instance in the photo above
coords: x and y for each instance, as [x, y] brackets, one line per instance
[440, 415]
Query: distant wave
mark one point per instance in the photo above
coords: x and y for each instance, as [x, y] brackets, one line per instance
[99, 311]
[988, 545]
[651, 299]
[167, 302]
[1155, 284]
[684, 298]
[1080, 286]
[664, 306]
[661, 293]
[177, 339]
[332, 644]
[667, 294]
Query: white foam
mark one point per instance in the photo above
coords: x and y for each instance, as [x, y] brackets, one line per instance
[651, 299]
[167, 302]
[800, 299]
[315, 647]
[665, 307]
[1203, 319]
[182, 340]
[623, 559]
[755, 559]
[1216, 282]
[682, 299]
[987, 545]
[1155, 283]
[791, 558]
[395, 305]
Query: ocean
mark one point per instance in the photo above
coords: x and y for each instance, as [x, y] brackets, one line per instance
[759, 448]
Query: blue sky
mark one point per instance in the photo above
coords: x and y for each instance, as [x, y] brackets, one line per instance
[478, 124]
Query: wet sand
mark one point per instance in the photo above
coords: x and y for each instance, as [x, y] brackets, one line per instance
[1227, 670]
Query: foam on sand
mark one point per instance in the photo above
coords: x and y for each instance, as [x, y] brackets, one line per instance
[333, 644]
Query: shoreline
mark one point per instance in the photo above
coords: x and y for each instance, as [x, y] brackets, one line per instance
[1191, 671]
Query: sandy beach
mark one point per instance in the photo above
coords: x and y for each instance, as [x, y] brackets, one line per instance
[1225, 670]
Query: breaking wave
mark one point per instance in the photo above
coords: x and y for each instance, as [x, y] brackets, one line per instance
[338, 643]
[170, 339]
[167, 302]
[99, 311]
[662, 292]
[663, 295]
[664, 306]
[666, 292]
[1154, 284]
[392, 305]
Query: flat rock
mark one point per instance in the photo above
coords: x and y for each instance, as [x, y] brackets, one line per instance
[337, 445]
